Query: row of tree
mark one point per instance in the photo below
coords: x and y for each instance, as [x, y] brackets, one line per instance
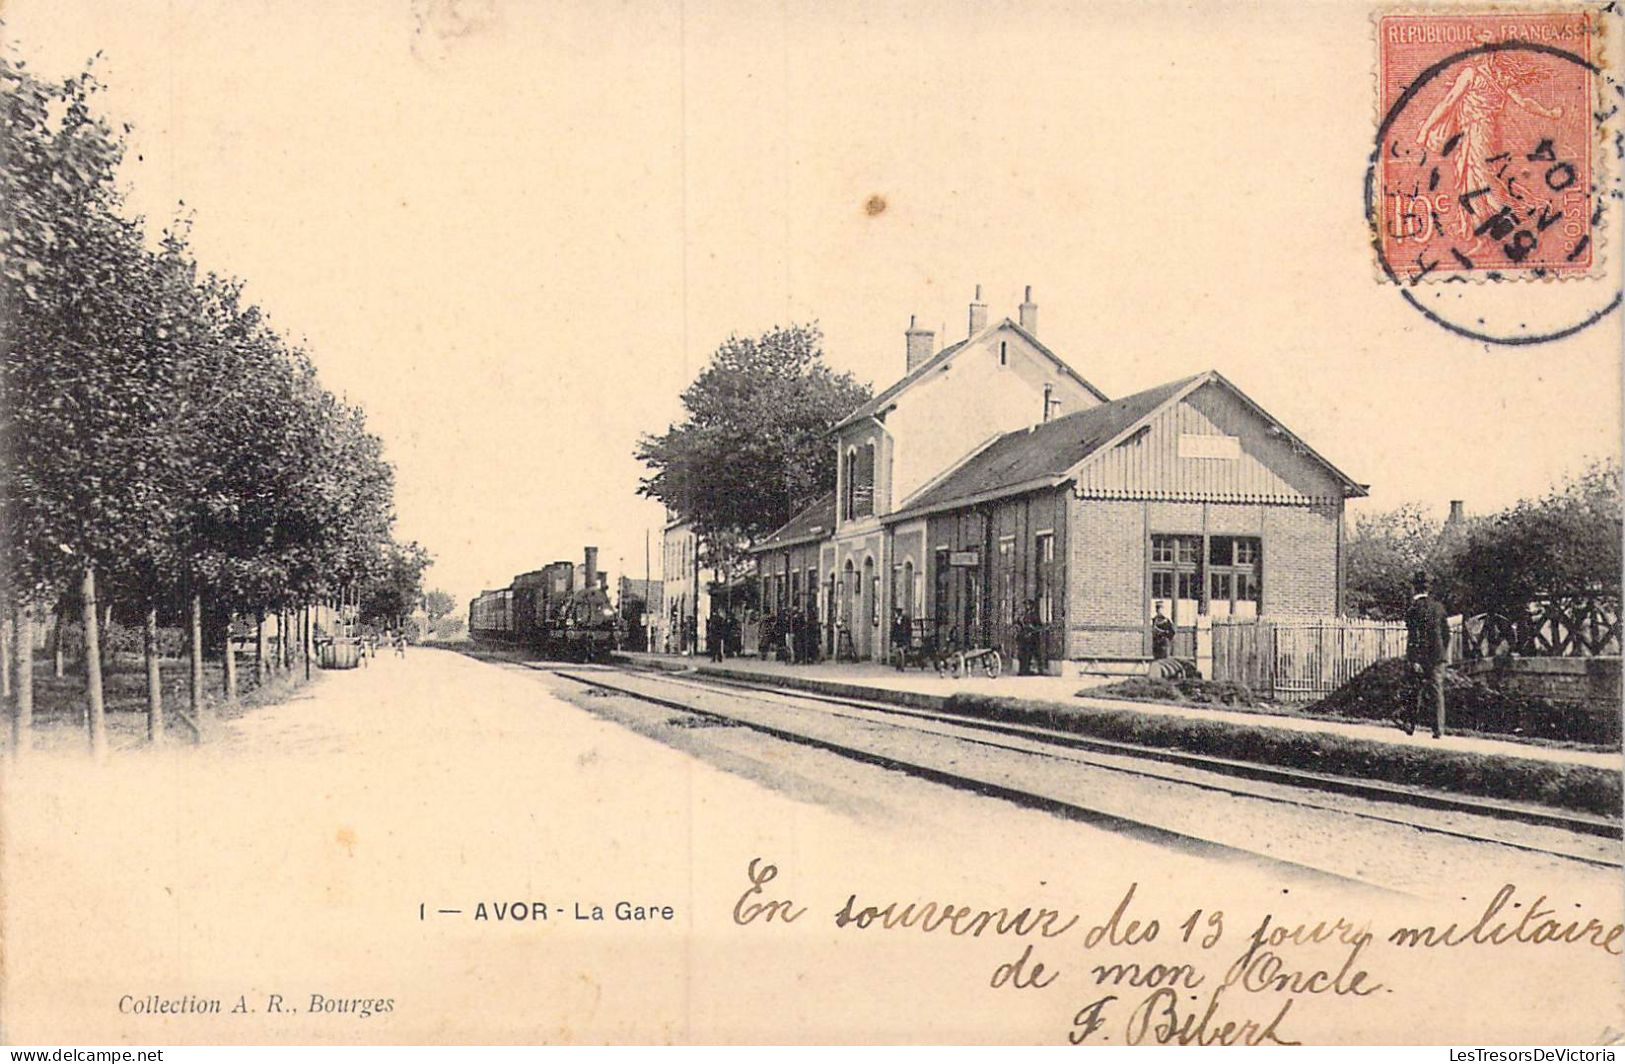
[1565, 544]
[164, 446]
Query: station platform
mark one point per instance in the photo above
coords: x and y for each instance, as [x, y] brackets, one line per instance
[921, 687]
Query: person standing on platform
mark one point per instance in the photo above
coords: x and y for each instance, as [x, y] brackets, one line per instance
[1427, 630]
[810, 639]
[1162, 635]
[1030, 649]
[900, 637]
[716, 631]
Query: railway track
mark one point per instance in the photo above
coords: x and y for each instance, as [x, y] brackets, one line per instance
[1378, 791]
[913, 741]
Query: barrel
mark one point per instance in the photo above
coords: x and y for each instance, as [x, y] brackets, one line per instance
[340, 653]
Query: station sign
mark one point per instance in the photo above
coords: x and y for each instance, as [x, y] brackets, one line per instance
[965, 558]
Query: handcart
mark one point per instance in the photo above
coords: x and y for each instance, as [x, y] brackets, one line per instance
[961, 663]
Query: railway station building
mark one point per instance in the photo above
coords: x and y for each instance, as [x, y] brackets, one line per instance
[685, 600]
[992, 478]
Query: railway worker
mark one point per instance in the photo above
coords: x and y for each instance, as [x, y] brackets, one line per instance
[1427, 630]
[1162, 634]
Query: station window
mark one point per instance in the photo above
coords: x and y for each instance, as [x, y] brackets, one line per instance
[1235, 585]
[1176, 575]
[1044, 553]
[1226, 581]
[1008, 607]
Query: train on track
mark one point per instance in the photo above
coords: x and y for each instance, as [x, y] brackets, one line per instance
[553, 612]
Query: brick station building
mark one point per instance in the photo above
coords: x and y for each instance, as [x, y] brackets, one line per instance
[992, 474]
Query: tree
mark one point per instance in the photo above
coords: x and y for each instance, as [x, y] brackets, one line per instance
[397, 588]
[1385, 550]
[438, 603]
[1566, 543]
[86, 371]
[753, 448]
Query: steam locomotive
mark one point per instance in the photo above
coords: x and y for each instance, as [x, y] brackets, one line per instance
[550, 612]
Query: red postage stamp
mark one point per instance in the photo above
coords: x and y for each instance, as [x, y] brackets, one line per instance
[1487, 145]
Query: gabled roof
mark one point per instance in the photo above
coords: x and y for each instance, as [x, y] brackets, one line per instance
[1039, 456]
[815, 522]
[1053, 357]
[1050, 454]
[883, 400]
[1352, 488]
[880, 403]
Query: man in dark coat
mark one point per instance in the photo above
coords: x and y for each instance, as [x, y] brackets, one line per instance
[1030, 654]
[812, 641]
[1427, 646]
[716, 633]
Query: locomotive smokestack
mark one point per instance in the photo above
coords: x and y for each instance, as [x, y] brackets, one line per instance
[589, 578]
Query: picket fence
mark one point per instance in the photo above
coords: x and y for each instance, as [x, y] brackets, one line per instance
[1301, 660]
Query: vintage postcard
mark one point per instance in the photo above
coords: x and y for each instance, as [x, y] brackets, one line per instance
[1078, 523]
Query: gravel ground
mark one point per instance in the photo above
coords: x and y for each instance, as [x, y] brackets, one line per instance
[292, 856]
[1268, 820]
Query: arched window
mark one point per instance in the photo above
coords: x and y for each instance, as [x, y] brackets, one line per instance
[863, 482]
[849, 478]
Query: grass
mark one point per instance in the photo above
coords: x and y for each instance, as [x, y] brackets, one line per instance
[1582, 788]
[1238, 698]
[1189, 692]
[60, 704]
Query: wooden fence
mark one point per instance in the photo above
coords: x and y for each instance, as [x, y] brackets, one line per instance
[1559, 626]
[1301, 660]
[1297, 660]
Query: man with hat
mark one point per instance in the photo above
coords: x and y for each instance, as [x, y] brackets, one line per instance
[1428, 642]
[1162, 634]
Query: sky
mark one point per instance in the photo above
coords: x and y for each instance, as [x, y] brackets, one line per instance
[513, 232]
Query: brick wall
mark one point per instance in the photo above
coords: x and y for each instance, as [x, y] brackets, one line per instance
[1300, 560]
[1105, 566]
[1107, 606]
[1589, 680]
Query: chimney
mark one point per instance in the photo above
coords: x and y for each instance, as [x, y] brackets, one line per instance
[1458, 512]
[978, 313]
[589, 576]
[1028, 315]
[920, 342]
